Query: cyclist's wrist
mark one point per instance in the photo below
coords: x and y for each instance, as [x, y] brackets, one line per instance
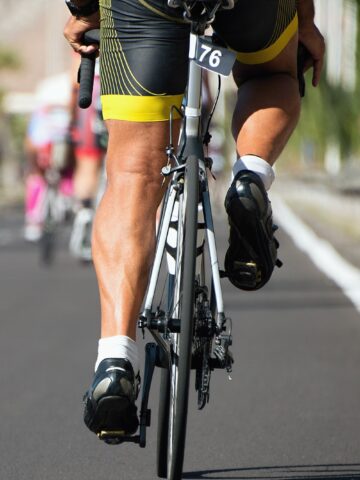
[93, 20]
[306, 13]
[83, 8]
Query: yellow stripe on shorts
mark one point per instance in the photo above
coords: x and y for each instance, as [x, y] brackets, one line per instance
[135, 108]
[271, 52]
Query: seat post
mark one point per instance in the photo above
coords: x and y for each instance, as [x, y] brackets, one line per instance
[193, 94]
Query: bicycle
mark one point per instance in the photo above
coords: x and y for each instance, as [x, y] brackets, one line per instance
[89, 132]
[183, 308]
[184, 311]
[55, 207]
[80, 238]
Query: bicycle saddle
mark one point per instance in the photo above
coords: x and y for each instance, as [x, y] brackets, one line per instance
[224, 4]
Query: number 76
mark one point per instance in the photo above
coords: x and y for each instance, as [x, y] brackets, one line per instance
[214, 57]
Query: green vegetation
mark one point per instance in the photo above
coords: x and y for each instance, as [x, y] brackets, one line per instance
[330, 114]
[11, 127]
[9, 60]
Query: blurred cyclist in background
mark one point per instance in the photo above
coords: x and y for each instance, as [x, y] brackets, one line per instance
[46, 146]
[89, 136]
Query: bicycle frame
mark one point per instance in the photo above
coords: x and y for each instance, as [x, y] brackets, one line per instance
[164, 330]
[191, 142]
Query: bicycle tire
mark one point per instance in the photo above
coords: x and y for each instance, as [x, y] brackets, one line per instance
[181, 360]
[163, 424]
[47, 241]
[47, 247]
[164, 394]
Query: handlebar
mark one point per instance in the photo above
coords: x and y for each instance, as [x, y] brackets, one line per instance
[87, 70]
[302, 57]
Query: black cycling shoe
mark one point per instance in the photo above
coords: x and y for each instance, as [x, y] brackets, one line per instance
[110, 401]
[252, 252]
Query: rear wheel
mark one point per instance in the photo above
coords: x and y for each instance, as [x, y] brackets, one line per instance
[163, 423]
[180, 365]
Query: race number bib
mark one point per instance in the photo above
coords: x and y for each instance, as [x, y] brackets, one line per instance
[214, 58]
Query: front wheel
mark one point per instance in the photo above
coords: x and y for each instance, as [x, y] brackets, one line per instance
[48, 238]
[47, 247]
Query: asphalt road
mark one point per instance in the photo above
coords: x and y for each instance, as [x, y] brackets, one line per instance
[291, 410]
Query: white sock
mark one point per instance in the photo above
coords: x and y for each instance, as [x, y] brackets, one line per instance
[256, 165]
[119, 346]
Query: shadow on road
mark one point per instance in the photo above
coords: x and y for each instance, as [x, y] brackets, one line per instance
[294, 472]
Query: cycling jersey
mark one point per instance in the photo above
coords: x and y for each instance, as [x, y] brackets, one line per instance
[144, 50]
[48, 127]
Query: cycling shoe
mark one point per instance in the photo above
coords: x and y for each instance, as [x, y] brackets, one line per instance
[110, 401]
[252, 253]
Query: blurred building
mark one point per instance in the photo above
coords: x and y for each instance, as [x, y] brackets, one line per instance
[338, 21]
[32, 29]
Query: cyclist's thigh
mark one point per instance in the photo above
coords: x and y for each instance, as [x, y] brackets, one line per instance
[264, 35]
[144, 59]
[285, 62]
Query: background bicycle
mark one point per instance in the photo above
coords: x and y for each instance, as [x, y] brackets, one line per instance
[48, 198]
[89, 136]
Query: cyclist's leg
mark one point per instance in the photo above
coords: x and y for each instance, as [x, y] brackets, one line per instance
[268, 104]
[35, 188]
[88, 154]
[143, 74]
[86, 177]
[124, 228]
[266, 113]
[264, 33]
[150, 61]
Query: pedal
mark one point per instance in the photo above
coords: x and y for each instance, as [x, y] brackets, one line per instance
[246, 274]
[115, 437]
[112, 437]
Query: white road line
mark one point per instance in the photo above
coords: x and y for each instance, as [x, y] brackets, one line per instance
[321, 252]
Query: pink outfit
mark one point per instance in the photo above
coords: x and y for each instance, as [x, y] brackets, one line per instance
[66, 186]
[47, 125]
[35, 189]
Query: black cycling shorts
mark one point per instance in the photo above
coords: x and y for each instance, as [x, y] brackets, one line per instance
[144, 50]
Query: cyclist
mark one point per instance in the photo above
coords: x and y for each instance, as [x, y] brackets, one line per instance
[88, 134]
[144, 52]
[48, 126]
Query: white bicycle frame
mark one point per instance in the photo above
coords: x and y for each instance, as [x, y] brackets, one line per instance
[193, 137]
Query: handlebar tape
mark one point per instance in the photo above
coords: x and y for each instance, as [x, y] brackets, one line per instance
[86, 80]
[86, 71]
[303, 55]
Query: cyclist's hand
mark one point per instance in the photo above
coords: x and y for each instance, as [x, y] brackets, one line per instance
[74, 31]
[311, 38]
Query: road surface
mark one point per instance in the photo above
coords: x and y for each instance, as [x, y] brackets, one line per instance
[291, 410]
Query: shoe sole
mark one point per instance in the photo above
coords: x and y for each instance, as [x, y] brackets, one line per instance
[114, 414]
[248, 275]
